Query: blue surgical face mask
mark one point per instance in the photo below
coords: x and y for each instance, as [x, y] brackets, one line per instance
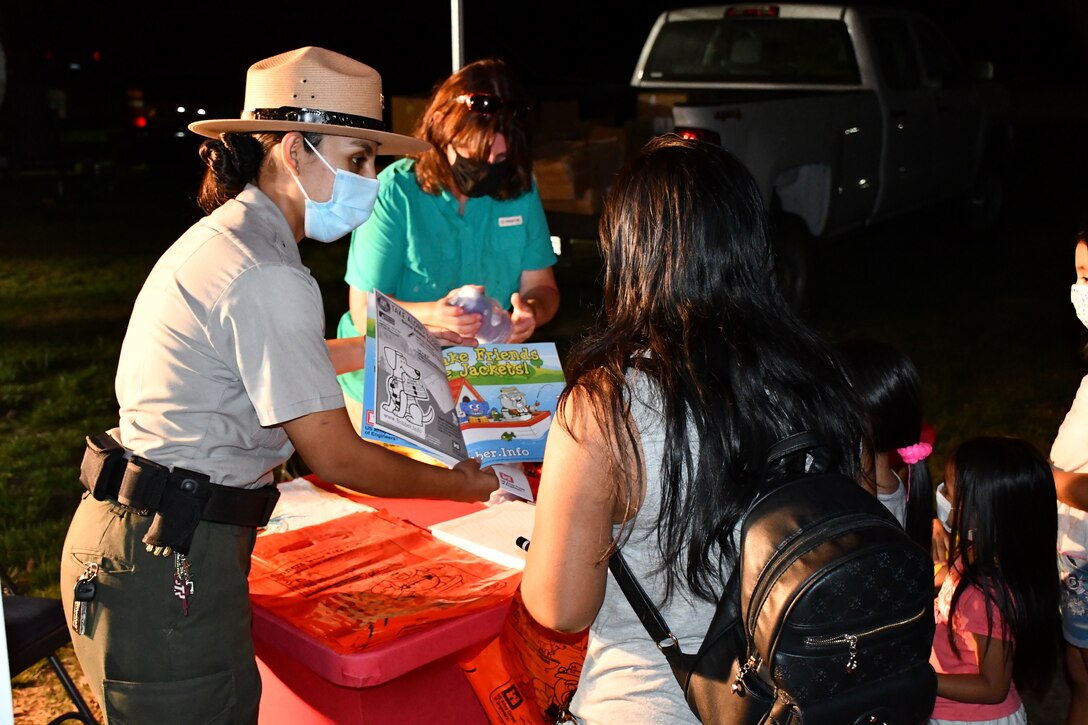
[349, 206]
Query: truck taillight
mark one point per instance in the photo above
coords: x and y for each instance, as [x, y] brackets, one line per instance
[754, 11]
[699, 134]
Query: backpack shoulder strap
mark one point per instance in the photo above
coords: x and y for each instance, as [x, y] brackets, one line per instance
[795, 443]
[723, 628]
[819, 456]
[651, 618]
[727, 613]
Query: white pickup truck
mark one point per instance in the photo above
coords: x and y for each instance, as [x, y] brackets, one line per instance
[846, 115]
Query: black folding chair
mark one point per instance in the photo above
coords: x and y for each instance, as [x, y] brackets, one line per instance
[36, 628]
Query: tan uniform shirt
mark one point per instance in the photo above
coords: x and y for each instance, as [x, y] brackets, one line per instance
[226, 342]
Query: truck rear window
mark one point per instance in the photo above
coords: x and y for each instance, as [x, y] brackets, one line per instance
[757, 50]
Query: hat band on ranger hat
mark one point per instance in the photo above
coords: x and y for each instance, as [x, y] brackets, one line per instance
[314, 115]
[313, 90]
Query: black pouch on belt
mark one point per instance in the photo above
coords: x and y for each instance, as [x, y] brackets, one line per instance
[142, 484]
[102, 464]
[179, 510]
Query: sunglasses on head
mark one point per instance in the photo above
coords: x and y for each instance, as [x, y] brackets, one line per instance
[489, 103]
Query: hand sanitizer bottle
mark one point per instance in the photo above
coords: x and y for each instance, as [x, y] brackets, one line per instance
[496, 321]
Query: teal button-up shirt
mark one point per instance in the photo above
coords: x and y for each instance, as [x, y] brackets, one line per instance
[417, 246]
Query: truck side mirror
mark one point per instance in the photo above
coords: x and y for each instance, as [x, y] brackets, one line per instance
[982, 70]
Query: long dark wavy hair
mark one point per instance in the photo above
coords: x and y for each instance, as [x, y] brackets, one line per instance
[887, 382]
[691, 301]
[1004, 525]
[446, 122]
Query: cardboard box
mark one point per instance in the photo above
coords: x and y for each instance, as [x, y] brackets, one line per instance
[573, 176]
[562, 170]
[405, 112]
[637, 132]
[606, 156]
[558, 119]
[588, 202]
[596, 131]
[657, 104]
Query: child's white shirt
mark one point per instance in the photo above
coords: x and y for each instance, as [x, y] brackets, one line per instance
[896, 501]
[1069, 452]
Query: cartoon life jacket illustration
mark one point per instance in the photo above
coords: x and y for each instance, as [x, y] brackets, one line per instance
[405, 390]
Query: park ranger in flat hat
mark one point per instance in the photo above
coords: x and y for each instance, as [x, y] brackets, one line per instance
[224, 372]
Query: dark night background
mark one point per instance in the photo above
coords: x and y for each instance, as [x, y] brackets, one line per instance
[408, 42]
[988, 323]
[560, 48]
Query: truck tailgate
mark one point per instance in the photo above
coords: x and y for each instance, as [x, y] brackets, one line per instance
[777, 133]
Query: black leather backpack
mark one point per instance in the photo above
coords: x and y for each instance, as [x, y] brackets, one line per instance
[827, 618]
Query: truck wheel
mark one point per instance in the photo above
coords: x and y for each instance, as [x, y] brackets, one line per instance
[792, 245]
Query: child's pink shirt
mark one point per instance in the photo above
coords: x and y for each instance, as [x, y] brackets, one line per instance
[970, 619]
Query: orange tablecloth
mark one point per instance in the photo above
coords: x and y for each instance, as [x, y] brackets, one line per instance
[364, 618]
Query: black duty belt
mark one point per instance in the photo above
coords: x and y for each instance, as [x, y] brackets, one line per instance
[179, 498]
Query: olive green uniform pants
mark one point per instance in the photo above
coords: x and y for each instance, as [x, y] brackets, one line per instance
[147, 661]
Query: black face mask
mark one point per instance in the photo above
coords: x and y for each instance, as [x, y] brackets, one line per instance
[477, 178]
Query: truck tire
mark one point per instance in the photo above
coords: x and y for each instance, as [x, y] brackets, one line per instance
[983, 204]
[792, 245]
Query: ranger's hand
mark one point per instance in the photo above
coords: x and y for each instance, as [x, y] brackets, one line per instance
[477, 483]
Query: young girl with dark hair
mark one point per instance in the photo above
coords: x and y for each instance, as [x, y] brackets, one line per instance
[698, 367]
[997, 611]
[887, 383]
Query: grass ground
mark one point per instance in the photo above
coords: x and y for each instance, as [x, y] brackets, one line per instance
[987, 322]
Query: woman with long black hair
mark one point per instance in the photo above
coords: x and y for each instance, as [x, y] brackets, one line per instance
[699, 367]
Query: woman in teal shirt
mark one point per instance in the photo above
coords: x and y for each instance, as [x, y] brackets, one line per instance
[465, 212]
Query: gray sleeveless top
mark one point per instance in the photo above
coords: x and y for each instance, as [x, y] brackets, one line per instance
[625, 678]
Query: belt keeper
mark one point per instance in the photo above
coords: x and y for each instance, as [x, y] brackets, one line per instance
[143, 484]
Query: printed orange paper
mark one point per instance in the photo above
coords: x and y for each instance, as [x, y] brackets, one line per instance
[528, 674]
[367, 578]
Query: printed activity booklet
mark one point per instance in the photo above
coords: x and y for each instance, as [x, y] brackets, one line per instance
[494, 402]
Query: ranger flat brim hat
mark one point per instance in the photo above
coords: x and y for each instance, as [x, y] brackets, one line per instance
[318, 90]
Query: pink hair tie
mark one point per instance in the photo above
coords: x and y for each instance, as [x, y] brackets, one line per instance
[913, 454]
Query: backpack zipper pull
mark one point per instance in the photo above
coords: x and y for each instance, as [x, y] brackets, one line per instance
[738, 688]
[852, 643]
